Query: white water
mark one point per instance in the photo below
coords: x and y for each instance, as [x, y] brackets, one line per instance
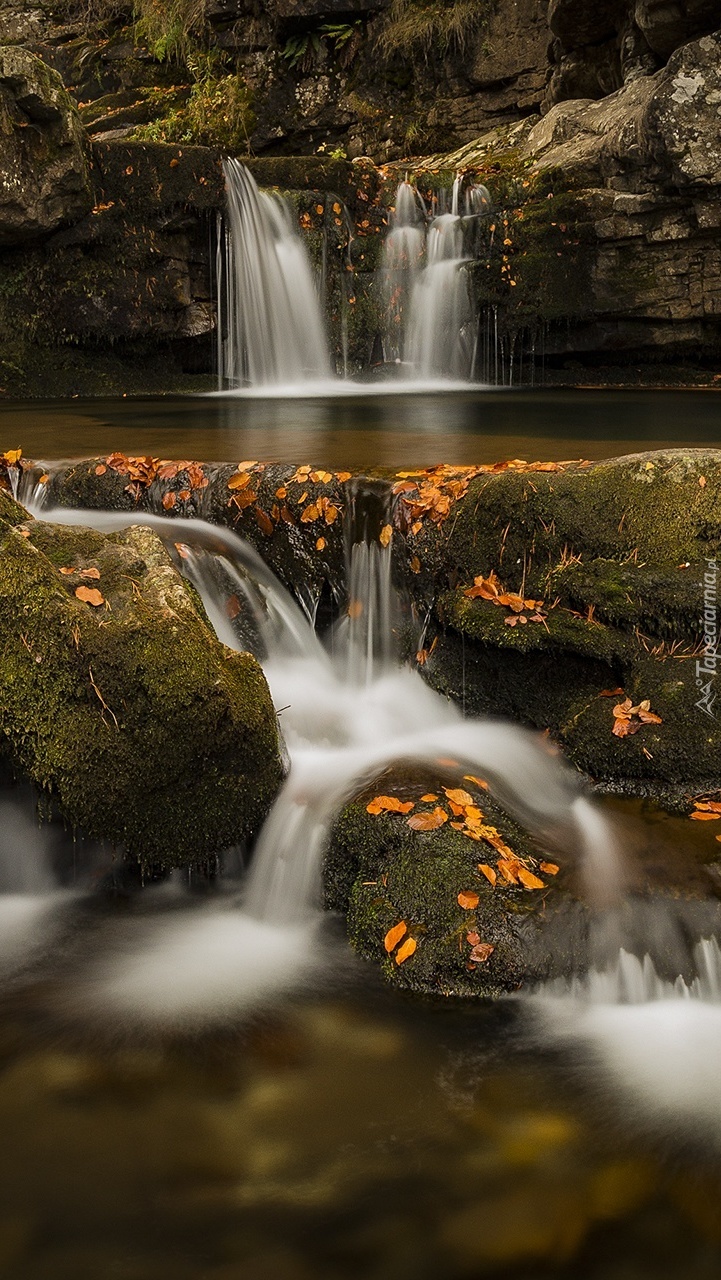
[344, 719]
[269, 309]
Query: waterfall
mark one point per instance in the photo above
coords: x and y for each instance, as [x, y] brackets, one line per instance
[430, 320]
[269, 316]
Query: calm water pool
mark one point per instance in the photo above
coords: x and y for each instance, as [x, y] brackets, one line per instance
[369, 430]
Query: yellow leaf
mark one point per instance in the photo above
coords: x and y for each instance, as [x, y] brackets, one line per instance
[386, 534]
[320, 544]
[409, 946]
[394, 935]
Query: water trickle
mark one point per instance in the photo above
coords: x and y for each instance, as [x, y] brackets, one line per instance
[269, 310]
[402, 253]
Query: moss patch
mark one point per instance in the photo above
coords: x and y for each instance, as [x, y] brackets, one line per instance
[141, 726]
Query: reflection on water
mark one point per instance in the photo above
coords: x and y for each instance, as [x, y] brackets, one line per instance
[368, 430]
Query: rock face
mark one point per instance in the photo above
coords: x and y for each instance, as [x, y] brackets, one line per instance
[140, 727]
[44, 172]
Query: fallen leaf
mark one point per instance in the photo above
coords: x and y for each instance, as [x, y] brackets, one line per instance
[480, 953]
[232, 607]
[550, 868]
[468, 900]
[469, 777]
[457, 796]
[310, 512]
[320, 544]
[528, 880]
[702, 481]
[265, 523]
[68, 571]
[488, 872]
[403, 952]
[394, 935]
[415, 564]
[93, 574]
[704, 816]
[100, 469]
[473, 938]
[429, 797]
[331, 514]
[168, 500]
[240, 481]
[509, 870]
[388, 804]
[90, 595]
[610, 693]
[386, 534]
[428, 821]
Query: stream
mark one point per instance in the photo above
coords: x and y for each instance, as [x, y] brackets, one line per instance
[200, 1080]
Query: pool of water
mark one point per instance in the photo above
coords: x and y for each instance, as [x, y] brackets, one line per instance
[347, 1132]
[366, 430]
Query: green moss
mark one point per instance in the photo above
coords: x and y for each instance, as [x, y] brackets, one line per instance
[139, 725]
[382, 872]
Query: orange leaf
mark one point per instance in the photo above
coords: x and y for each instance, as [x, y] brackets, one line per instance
[428, 821]
[94, 574]
[468, 777]
[610, 693]
[703, 816]
[68, 571]
[389, 804]
[264, 521]
[550, 868]
[409, 946]
[331, 514]
[100, 469]
[473, 938]
[320, 544]
[311, 512]
[355, 609]
[240, 481]
[509, 870]
[429, 797]
[488, 872]
[90, 595]
[528, 880]
[468, 900]
[168, 500]
[458, 796]
[394, 935]
[386, 534]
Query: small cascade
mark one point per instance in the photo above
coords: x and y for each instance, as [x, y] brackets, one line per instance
[269, 315]
[430, 314]
[402, 254]
[366, 633]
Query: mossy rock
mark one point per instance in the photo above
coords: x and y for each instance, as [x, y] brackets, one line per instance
[143, 729]
[381, 872]
[618, 552]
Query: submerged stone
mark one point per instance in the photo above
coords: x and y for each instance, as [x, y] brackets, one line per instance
[117, 699]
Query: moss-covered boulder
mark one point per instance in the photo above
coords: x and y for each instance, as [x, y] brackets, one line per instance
[615, 565]
[118, 701]
[475, 932]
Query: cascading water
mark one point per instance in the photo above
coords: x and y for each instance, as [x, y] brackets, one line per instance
[430, 314]
[269, 316]
[344, 719]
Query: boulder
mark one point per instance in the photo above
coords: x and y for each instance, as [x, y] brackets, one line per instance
[667, 24]
[626, 557]
[119, 702]
[683, 118]
[44, 169]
